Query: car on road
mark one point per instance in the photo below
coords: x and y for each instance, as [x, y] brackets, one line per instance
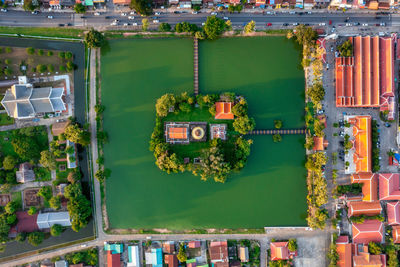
[97, 13]
[131, 17]
[194, 12]
[331, 48]
[356, 23]
[295, 24]
[382, 24]
[327, 66]
[285, 24]
[348, 24]
[292, 12]
[322, 24]
[156, 21]
[107, 17]
[35, 12]
[126, 24]
[134, 24]
[226, 18]
[3, 10]
[269, 24]
[132, 13]
[124, 14]
[365, 24]
[214, 13]
[50, 17]
[60, 25]
[330, 22]
[387, 124]
[309, 12]
[157, 13]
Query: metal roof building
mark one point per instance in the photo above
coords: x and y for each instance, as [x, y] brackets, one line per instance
[23, 101]
[133, 256]
[47, 220]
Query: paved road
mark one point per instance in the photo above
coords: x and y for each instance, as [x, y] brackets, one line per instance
[21, 18]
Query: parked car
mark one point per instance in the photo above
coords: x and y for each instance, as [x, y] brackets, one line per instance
[134, 24]
[156, 21]
[322, 24]
[382, 24]
[285, 24]
[157, 13]
[50, 17]
[4, 10]
[35, 12]
[194, 12]
[214, 13]
[226, 18]
[97, 13]
[124, 14]
[269, 24]
[387, 124]
[295, 24]
[131, 17]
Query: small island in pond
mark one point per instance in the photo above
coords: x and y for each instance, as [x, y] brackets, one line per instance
[203, 134]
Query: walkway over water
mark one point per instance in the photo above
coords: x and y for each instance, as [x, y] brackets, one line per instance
[196, 67]
[277, 131]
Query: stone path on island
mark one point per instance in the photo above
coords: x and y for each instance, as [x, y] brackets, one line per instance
[277, 131]
[196, 66]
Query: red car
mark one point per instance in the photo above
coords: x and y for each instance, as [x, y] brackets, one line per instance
[269, 24]
[330, 22]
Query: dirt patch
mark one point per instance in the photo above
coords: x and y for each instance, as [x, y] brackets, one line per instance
[31, 198]
[21, 63]
[4, 199]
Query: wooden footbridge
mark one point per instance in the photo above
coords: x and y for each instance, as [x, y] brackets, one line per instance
[277, 131]
[196, 67]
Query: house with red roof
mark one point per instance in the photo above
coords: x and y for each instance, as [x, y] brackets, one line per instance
[219, 253]
[368, 231]
[171, 260]
[320, 143]
[280, 251]
[396, 234]
[223, 111]
[168, 247]
[389, 186]
[369, 183]
[194, 244]
[393, 213]
[357, 208]
[343, 248]
[113, 260]
[362, 258]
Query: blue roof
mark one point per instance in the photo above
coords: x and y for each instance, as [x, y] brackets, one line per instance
[157, 257]
[133, 255]
[397, 157]
[114, 248]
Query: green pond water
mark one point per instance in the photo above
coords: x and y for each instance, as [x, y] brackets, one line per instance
[269, 191]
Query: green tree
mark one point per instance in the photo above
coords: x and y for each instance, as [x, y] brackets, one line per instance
[9, 162]
[32, 210]
[346, 49]
[277, 138]
[29, 6]
[141, 6]
[375, 248]
[145, 24]
[55, 202]
[40, 52]
[316, 93]
[25, 147]
[200, 35]
[41, 68]
[213, 164]
[164, 27]
[50, 68]
[11, 178]
[35, 238]
[277, 124]
[48, 160]
[213, 27]
[8, 71]
[185, 107]
[292, 244]
[70, 66]
[46, 192]
[68, 55]
[62, 68]
[77, 135]
[49, 53]
[243, 124]
[185, 27]
[11, 219]
[8, 50]
[79, 8]
[182, 257]
[11, 207]
[250, 27]
[94, 39]
[164, 103]
[56, 230]
[30, 50]
[21, 237]
[231, 8]
[4, 228]
[62, 54]
[393, 261]
[79, 207]
[7, 61]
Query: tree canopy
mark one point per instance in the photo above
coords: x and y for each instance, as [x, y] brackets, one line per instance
[164, 103]
[56, 230]
[213, 27]
[76, 134]
[164, 27]
[35, 238]
[94, 39]
[79, 207]
[346, 49]
[141, 6]
[9, 162]
[48, 160]
[79, 8]
[185, 27]
[250, 27]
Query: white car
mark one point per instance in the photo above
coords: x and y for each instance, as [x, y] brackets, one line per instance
[134, 24]
[348, 24]
[295, 24]
[365, 24]
[157, 13]
[131, 17]
[126, 24]
[194, 12]
[382, 24]
[132, 13]
[214, 13]
[226, 18]
[202, 24]
[156, 21]
[50, 17]
[124, 14]
[292, 12]
[4, 10]
[322, 24]
[114, 23]
[97, 13]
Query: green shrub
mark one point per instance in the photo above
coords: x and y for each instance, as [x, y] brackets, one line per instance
[49, 53]
[40, 52]
[30, 50]
[41, 68]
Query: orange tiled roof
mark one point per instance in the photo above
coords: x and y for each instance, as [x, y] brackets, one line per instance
[363, 79]
[368, 231]
[177, 133]
[343, 248]
[393, 212]
[362, 143]
[369, 185]
[122, 2]
[279, 251]
[364, 259]
[389, 186]
[357, 208]
[396, 233]
[223, 111]
[318, 143]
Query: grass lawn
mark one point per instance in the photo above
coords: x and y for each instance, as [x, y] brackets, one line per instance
[17, 197]
[61, 176]
[19, 56]
[5, 119]
[42, 174]
[51, 32]
[193, 149]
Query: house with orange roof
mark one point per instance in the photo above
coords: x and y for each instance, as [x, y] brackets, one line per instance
[360, 155]
[389, 186]
[121, 2]
[343, 248]
[171, 260]
[280, 251]
[393, 212]
[357, 208]
[223, 111]
[367, 78]
[368, 231]
[396, 234]
[369, 183]
[362, 258]
[219, 253]
[320, 143]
